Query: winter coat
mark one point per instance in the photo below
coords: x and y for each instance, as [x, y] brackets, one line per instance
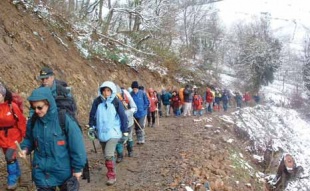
[110, 122]
[165, 97]
[246, 97]
[11, 128]
[208, 96]
[57, 153]
[175, 102]
[197, 102]
[188, 95]
[153, 100]
[218, 97]
[142, 103]
[132, 109]
[225, 97]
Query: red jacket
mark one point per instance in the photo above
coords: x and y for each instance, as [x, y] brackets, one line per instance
[153, 101]
[11, 129]
[246, 97]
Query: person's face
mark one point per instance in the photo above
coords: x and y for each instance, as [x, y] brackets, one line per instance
[40, 107]
[1, 98]
[48, 82]
[135, 90]
[106, 92]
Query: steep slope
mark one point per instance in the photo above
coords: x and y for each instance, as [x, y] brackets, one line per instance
[28, 43]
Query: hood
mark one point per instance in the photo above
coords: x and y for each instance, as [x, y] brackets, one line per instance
[44, 93]
[110, 85]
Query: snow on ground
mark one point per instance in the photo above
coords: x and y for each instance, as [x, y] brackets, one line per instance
[289, 133]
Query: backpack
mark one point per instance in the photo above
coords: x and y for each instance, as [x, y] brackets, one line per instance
[64, 100]
[122, 97]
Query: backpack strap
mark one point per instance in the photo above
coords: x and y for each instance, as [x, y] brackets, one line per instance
[62, 120]
[116, 102]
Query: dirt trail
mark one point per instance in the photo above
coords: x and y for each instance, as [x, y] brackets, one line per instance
[179, 152]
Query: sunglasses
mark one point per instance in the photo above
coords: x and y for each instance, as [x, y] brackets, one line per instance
[38, 107]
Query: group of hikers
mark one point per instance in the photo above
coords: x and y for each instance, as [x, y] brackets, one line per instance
[54, 137]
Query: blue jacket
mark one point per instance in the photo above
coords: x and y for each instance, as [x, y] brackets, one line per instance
[109, 122]
[142, 103]
[56, 154]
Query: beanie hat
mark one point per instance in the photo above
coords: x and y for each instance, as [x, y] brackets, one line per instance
[134, 84]
[2, 90]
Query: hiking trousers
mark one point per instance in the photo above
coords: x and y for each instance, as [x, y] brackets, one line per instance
[108, 148]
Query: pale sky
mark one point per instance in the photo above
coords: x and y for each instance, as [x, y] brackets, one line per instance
[291, 17]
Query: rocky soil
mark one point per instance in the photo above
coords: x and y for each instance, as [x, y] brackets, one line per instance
[179, 152]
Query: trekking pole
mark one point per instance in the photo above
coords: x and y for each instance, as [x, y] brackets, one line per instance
[20, 150]
[157, 112]
[95, 149]
[134, 119]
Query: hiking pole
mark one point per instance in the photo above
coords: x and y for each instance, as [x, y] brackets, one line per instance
[20, 150]
[135, 119]
[95, 149]
[157, 112]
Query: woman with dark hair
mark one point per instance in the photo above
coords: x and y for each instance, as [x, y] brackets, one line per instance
[12, 128]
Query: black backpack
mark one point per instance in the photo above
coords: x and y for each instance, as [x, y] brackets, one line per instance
[64, 100]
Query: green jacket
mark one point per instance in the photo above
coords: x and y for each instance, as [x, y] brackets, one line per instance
[56, 154]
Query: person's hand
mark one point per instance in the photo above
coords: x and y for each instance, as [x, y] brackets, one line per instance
[77, 175]
[91, 133]
[124, 138]
[22, 154]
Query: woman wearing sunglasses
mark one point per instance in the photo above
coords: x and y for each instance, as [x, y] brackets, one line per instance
[57, 155]
[12, 128]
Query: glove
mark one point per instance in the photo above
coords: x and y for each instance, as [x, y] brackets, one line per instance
[92, 133]
[124, 138]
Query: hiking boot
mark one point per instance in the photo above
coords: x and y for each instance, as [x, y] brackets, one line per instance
[111, 175]
[130, 154]
[153, 125]
[130, 148]
[119, 158]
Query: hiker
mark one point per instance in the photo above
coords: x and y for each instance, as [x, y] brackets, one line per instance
[256, 98]
[143, 104]
[238, 99]
[225, 99]
[57, 87]
[197, 104]
[12, 128]
[217, 100]
[246, 98]
[176, 104]
[130, 109]
[58, 152]
[108, 122]
[166, 98]
[152, 109]
[158, 103]
[208, 99]
[188, 98]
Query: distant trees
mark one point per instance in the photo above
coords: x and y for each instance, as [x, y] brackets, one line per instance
[258, 54]
[306, 70]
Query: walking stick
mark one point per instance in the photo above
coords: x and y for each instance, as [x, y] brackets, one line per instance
[20, 150]
[157, 112]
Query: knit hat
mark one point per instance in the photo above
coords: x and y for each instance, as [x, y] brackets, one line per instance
[45, 73]
[2, 90]
[134, 85]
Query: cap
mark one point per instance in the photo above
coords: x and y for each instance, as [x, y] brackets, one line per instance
[134, 85]
[45, 73]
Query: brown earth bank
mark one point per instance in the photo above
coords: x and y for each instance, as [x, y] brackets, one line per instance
[178, 152]
[29, 42]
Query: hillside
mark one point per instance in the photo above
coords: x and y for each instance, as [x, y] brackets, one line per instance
[28, 43]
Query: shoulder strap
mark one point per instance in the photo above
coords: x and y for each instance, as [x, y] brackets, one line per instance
[116, 103]
[62, 120]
